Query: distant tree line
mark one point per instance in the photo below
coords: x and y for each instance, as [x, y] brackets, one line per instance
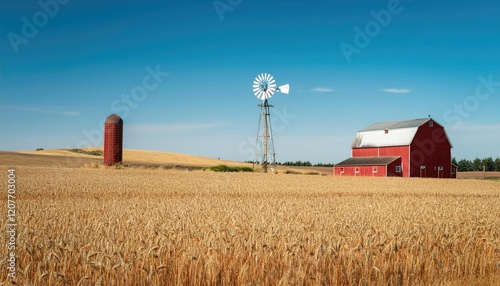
[299, 163]
[477, 164]
[323, 165]
[296, 163]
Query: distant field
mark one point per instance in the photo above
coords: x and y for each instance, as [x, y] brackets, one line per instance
[139, 226]
[63, 159]
[66, 158]
[131, 158]
[478, 175]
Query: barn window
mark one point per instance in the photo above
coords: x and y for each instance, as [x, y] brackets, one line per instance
[357, 170]
[440, 168]
[386, 131]
[342, 170]
[398, 169]
[431, 123]
[374, 169]
[453, 170]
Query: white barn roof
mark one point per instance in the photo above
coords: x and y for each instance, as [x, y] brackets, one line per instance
[400, 133]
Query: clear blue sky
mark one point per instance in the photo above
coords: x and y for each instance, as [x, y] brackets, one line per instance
[66, 65]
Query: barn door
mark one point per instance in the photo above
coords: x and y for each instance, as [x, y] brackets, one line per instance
[440, 172]
[422, 172]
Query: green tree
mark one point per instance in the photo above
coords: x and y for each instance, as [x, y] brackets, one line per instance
[489, 164]
[477, 164]
[497, 164]
[464, 165]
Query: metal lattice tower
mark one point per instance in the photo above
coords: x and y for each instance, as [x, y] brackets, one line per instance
[264, 153]
[264, 87]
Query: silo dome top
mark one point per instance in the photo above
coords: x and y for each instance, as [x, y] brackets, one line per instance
[113, 118]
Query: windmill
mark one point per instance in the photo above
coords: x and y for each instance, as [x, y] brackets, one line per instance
[264, 87]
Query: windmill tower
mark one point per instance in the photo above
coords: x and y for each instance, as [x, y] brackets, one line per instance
[264, 87]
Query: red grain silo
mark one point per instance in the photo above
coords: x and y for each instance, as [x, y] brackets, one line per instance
[113, 140]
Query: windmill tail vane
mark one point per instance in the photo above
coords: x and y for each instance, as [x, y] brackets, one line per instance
[284, 88]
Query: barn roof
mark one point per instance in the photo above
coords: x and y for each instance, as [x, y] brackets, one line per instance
[368, 161]
[396, 124]
[400, 133]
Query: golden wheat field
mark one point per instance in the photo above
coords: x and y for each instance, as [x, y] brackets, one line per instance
[84, 226]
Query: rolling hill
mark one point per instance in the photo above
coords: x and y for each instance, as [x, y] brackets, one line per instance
[67, 158]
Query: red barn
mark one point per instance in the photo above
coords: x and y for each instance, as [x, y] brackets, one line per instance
[409, 148]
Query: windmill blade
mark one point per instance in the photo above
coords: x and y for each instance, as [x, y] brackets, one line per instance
[264, 86]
